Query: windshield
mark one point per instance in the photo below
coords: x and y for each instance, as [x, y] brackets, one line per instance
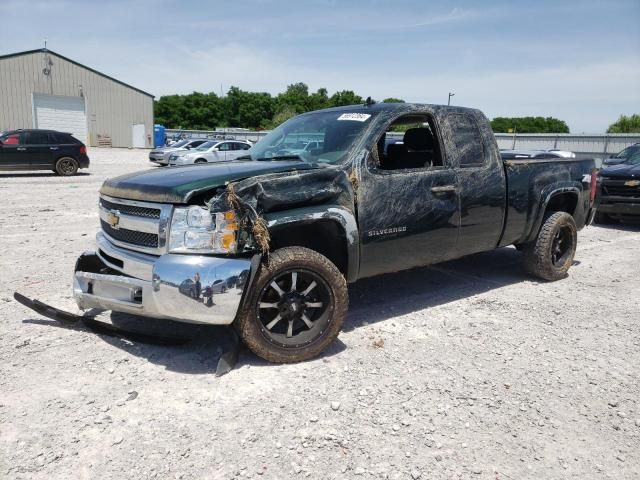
[206, 146]
[179, 144]
[627, 152]
[320, 137]
[633, 159]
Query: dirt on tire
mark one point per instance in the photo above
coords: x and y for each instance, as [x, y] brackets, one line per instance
[538, 254]
[248, 325]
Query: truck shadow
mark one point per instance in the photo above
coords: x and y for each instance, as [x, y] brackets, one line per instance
[626, 226]
[388, 296]
[373, 300]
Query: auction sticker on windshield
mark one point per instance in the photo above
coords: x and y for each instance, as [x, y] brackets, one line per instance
[356, 117]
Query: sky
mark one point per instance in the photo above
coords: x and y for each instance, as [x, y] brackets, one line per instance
[574, 60]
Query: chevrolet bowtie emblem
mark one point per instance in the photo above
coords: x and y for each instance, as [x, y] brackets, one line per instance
[113, 218]
[632, 183]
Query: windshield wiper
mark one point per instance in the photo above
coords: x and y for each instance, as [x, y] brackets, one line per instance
[281, 157]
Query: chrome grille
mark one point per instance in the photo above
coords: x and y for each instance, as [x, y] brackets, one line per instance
[131, 209]
[617, 188]
[141, 239]
[140, 226]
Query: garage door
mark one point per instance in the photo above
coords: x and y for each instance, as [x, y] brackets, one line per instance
[65, 114]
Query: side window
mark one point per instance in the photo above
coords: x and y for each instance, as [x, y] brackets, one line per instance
[59, 139]
[224, 147]
[410, 143]
[13, 139]
[467, 138]
[242, 146]
[37, 138]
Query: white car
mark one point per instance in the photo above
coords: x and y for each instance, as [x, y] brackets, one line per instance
[161, 155]
[211, 151]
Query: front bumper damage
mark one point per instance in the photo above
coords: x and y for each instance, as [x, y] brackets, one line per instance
[189, 288]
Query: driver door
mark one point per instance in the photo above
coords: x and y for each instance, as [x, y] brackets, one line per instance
[408, 217]
[13, 152]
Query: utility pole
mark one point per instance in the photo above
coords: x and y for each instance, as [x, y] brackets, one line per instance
[449, 99]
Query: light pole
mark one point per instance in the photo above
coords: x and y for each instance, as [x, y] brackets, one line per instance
[449, 99]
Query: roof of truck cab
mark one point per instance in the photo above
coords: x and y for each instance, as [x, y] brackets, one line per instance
[385, 107]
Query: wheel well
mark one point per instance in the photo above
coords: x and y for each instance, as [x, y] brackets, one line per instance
[563, 202]
[200, 160]
[325, 237]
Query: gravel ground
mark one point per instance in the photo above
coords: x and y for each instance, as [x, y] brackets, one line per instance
[468, 369]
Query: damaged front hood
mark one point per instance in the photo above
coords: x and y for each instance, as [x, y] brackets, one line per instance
[178, 185]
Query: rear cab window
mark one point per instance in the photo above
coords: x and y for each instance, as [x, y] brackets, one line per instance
[467, 139]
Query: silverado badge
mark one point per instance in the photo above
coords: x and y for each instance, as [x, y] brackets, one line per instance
[632, 183]
[113, 218]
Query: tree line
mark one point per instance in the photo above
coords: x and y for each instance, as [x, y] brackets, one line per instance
[625, 124]
[240, 108]
[528, 125]
[261, 111]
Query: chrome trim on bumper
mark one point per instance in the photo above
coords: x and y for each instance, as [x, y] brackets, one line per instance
[172, 292]
[134, 264]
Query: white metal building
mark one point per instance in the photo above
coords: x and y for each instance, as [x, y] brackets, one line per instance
[43, 89]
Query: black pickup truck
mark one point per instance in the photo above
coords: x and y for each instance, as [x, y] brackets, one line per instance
[287, 227]
[620, 190]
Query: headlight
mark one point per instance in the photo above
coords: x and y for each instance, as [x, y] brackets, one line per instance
[197, 230]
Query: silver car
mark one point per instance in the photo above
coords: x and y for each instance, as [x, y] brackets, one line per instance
[211, 151]
[161, 156]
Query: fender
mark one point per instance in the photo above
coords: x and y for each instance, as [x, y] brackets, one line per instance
[545, 197]
[335, 213]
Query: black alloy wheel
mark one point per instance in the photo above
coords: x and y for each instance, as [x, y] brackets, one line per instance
[561, 246]
[293, 308]
[66, 166]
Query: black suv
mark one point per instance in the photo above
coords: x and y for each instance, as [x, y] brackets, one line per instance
[42, 150]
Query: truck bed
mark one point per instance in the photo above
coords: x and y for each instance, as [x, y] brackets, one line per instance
[530, 183]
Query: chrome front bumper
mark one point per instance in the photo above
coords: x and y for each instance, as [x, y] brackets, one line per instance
[116, 279]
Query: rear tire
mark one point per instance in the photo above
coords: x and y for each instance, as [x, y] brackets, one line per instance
[550, 255]
[296, 306]
[66, 166]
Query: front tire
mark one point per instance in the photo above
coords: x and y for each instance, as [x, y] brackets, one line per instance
[551, 254]
[296, 306]
[66, 166]
[200, 160]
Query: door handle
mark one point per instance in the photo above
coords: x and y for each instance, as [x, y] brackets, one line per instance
[21, 149]
[53, 148]
[444, 189]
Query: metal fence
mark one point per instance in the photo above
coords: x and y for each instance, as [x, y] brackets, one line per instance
[596, 146]
[226, 134]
